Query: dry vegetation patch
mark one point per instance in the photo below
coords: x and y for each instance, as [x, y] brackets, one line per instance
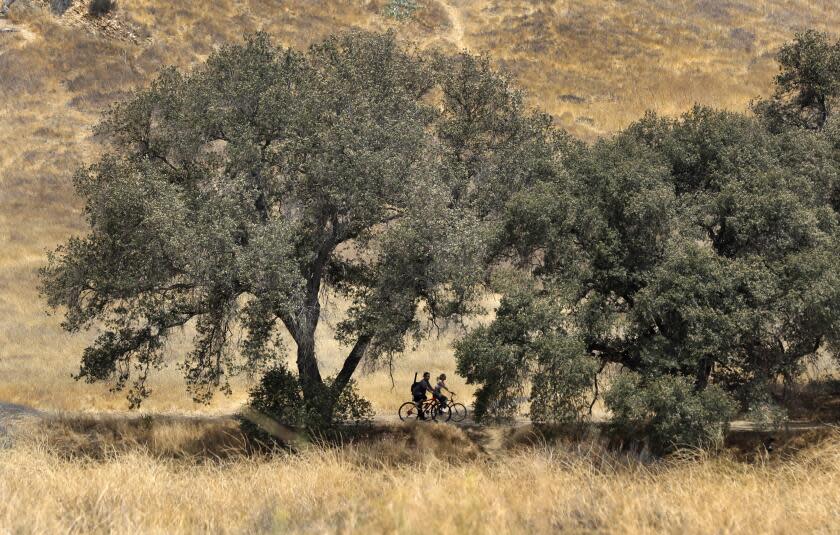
[370, 486]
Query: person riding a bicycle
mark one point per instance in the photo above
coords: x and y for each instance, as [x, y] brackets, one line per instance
[438, 395]
[418, 392]
[434, 408]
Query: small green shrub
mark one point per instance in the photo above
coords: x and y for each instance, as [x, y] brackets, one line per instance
[60, 6]
[278, 399]
[401, 9]
[667, 413]
[100, 8]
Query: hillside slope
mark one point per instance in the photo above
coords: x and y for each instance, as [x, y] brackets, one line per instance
[594, 65]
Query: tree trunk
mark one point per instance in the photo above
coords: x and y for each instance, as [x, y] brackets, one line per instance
[307, 365]
[302, 328]
[704, 372]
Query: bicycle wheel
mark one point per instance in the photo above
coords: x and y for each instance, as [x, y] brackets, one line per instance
[457, 412]
[444, 412]
[408, 411]
[430, 410]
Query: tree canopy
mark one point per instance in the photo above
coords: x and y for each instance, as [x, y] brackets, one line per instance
[700, 248]
[233, 196]
[808, 84]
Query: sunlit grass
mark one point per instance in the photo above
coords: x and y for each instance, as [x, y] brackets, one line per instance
[410, 481]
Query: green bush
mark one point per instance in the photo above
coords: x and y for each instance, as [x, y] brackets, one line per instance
[60, 6]
[667, 413]
[278, 399]
[100, 8]
[527, 345]
[561, 386]
[401, 9]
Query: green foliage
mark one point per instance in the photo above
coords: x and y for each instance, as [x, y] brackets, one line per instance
[60, 6]
[526, 343]
[401, 9]
[808, 84]
[100, 8]
[667, 412]
[278, 396]
[696, 252]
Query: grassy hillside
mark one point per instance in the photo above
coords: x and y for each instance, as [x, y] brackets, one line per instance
[594, 65]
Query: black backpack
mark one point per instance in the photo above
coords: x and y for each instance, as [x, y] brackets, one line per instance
[416, 388]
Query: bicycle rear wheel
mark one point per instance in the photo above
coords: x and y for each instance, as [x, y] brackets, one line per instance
[408, 411]
[457, 412]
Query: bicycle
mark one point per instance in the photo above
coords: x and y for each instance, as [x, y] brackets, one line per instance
[432, 410]
[451, 410]
[428, 409]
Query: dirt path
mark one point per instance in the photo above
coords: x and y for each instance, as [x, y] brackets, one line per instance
[10, 414]
[18, 32]
[456, 21]
[491, 439]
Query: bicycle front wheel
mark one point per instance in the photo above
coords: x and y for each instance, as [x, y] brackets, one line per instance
[408, 411]
[457, 412]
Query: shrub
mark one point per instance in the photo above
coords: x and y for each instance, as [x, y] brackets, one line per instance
[60, 6]
[527, 345]
[401, 9]
[277, 399]
[667, 412]
[100, 8]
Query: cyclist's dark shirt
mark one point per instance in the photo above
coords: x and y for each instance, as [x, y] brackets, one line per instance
[426, 385]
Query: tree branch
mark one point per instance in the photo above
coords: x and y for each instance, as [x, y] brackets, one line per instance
[352, 362]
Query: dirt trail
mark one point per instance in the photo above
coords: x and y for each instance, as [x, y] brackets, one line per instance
[456, 32]
[491, 439]
[18, 32]
[10, 414]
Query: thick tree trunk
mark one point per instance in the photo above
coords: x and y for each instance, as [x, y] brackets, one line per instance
[307, 364]
[302, 328]
[704, 372]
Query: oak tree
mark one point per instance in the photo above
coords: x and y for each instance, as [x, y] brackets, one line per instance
[232, 197]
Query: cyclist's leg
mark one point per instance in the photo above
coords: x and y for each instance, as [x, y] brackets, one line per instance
[441, 402]
[418, 400]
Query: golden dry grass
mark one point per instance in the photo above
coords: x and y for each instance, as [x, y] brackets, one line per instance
[428, 477]
[594, 65]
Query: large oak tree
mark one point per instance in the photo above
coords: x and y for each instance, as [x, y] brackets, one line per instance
[233, 196]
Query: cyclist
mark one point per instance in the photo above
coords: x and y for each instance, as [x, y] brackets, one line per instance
[441, 385]
[418, 393]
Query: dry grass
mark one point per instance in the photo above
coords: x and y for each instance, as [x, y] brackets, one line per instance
[410, 481]
[594, 65]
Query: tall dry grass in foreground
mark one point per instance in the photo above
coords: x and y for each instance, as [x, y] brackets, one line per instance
[412, 481]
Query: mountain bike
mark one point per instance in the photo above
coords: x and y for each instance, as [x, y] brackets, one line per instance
[432, 410]
[428, 410]
[451, 410]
